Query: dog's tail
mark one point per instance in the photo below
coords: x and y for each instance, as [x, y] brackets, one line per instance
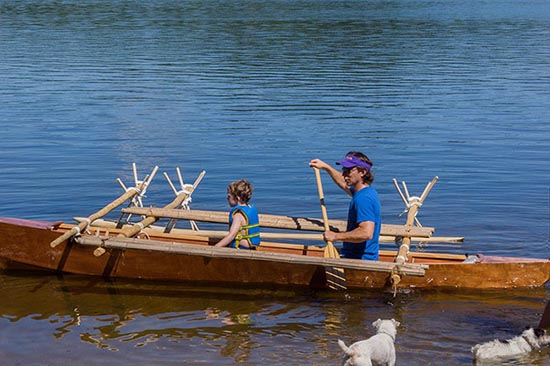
[345, 348]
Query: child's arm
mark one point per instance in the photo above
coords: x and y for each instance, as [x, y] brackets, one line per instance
[238, 221]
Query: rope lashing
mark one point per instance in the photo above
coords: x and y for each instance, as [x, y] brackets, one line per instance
[144, 234]
[412, 201]
[136, 189]
[141, 229]
[395, 279]
[187, 189]
[88, 223]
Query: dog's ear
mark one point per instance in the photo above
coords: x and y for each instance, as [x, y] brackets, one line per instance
[395, 322]
[539, 332]
[376, 323]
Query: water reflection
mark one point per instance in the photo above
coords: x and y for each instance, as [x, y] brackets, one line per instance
[244, 325]
[109, 314]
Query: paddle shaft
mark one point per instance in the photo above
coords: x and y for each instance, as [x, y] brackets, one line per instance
[330, 251]
[322, 198]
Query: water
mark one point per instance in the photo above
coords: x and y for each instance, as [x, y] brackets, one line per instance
[53, 321]
[255, 89]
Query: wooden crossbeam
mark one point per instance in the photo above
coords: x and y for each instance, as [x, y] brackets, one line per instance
[224, 252]
[269, 235]
[278, 222]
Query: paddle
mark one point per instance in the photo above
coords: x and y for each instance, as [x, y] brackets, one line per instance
[336, 278]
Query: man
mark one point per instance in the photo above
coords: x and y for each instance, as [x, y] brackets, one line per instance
[364, 216]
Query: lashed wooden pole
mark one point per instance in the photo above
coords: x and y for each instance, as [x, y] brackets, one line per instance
[129, 194]
[276, 221]
[413, 205]
[132, 230]
[410, 269]
[184, 205]
[149, 220]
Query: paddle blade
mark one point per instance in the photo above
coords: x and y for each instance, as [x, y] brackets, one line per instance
[331, 251]
[336, 277]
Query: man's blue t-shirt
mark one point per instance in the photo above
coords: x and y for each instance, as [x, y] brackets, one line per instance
[364, 206]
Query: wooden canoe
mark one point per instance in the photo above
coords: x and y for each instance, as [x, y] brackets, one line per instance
[192, 259]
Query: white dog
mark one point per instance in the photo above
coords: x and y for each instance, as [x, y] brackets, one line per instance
[531, 339]
[377, 350]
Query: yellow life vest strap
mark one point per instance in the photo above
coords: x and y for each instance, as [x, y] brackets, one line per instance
[246, 227]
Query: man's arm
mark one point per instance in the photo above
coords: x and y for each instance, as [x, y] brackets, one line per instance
[336, 176]
[363, 232]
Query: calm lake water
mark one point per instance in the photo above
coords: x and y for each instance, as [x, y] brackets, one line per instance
[255, 89]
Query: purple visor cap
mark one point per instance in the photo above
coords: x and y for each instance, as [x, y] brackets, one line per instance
[352, 161]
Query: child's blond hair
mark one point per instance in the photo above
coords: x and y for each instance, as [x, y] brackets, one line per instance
[241, 189]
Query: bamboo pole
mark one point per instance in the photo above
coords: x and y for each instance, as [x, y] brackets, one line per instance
[276, 221]
[413, 205]
[428, 188]
[151, 219]
[269, 235]
[129, 194]
[134, 229]
[217, 252]
[172, 222]
[405, 245]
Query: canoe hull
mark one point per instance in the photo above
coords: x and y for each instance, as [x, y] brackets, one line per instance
[28, 243]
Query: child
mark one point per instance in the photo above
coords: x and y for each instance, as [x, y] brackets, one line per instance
[244, 225]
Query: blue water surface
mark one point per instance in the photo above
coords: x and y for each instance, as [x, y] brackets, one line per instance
[458, 89]
[255, 89]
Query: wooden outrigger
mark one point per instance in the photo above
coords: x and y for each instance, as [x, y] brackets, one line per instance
[145, 251]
